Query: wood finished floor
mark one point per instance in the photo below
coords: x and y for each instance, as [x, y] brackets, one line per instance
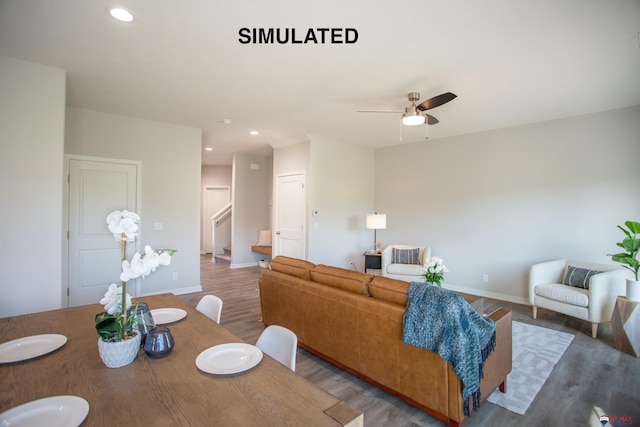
[591, 378]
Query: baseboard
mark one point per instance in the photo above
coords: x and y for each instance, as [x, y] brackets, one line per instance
[177, 291]
[492, 295]
[244, 264]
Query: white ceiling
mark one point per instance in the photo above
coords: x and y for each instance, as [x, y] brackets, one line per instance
[510, 63]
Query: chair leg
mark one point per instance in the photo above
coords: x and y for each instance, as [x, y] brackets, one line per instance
[535, 311]
[594, 330]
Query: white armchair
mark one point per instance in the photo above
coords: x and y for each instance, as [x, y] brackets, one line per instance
[413, 270]
[595, 304]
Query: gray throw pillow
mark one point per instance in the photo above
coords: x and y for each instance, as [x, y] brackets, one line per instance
[406, 256]
[578, 277]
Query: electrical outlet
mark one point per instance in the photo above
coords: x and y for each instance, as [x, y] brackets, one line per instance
[485, 278]
[175, 275]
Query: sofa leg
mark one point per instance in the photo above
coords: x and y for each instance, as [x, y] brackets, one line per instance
[535, 311]
[594, 330]
[503, 386]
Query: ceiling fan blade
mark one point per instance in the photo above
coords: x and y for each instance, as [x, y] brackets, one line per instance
[436, 101]
[432, 120]
[379, 111]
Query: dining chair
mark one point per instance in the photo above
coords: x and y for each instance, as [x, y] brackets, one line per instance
[279, 343]
[210, 306]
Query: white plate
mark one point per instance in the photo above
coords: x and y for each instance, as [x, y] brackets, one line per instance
[162, 316]
[55, 411]
[30, 347]
[229, 358]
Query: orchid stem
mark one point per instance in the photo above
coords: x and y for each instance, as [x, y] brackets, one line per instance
[124, 287]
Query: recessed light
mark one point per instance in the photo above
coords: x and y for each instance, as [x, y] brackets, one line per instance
[121, 14]
[208, 149]
[254, 132]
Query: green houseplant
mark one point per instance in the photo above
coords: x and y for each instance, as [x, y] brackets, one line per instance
[629, 258]
[631, 245]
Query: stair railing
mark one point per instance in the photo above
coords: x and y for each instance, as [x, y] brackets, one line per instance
[216, 219]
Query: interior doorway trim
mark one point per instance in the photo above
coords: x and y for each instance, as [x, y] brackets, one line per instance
[64, 298]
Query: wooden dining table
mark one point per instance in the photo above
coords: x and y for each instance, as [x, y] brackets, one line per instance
[169, 391]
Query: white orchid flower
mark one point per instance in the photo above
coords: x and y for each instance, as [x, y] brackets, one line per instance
[151, 258]
[165, 258]
[123, 222]
[134, 269]
[112, 299]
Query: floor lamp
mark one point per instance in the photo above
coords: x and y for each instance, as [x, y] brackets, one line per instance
[376, 221]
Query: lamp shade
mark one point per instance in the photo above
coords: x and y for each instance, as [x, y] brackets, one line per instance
[376, 221]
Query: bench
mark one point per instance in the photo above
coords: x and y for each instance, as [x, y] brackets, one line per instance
[265, 250]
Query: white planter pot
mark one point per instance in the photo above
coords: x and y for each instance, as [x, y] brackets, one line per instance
[119, 353]
[633, 290]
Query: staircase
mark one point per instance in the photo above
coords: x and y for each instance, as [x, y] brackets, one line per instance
[224, 258]
[221, 216]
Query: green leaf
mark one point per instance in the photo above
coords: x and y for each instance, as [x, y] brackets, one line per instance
[107, 325]
[631, 244]
[633, 226]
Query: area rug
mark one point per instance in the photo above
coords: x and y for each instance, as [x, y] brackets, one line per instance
[536, 351]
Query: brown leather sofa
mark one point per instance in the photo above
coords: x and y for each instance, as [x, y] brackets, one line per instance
[354, 321]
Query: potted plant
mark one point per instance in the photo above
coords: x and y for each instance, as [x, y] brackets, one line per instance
[434, 270]
[119, 340]
[629, 258]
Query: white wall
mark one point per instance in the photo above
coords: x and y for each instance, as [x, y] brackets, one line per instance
[251, 206]
[292, 159]
[32, 110]
[341, 189]
[496, 202]
[171, 169]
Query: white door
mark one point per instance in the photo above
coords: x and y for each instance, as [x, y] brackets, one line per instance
[97, 188]
[290, 216]
[216, 198]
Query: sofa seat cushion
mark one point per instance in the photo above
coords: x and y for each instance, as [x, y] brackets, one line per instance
[407, 269]
[292, 266]
[348, 280]
[390, 290]
[564, 293]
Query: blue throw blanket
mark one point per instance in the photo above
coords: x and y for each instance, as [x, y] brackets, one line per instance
[443, 322]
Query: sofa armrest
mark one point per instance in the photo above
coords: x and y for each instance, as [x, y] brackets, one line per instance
[499, 363]
[545, 272]
[426, 254]
[604, 289]
[385, 259]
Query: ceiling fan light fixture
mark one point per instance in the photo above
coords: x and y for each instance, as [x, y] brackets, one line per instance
[412, 118]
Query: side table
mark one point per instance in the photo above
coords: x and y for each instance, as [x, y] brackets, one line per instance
[625, 324]
[373, 261]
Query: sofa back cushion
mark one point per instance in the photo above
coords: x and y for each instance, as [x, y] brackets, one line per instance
[292, 266]
[391, 290]
[406, 256]
[578, 277]
[348, 280]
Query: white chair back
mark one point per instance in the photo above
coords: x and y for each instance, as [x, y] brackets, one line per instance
[279, 343]
[210, 306]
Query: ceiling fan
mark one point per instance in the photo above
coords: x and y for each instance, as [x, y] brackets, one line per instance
[415, 114]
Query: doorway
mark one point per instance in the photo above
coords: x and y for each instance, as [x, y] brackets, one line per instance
[96, 187]
[290, 214]
[215, 198]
